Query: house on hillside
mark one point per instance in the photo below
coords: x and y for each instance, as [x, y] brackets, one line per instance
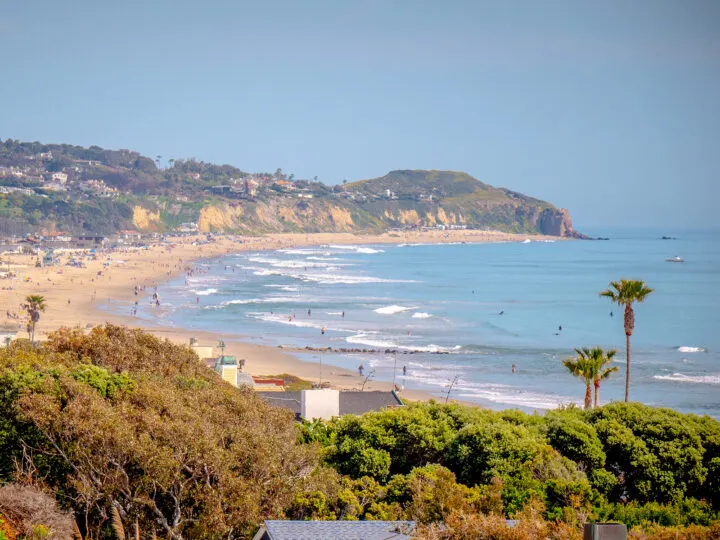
[60, 177]
[327, 403]
[333, 530]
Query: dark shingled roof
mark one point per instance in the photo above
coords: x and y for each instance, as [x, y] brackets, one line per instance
[362, 402]
[289, 400]
[351, 402]
[336, 530]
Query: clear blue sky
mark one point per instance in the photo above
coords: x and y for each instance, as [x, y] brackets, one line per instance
[609, 108]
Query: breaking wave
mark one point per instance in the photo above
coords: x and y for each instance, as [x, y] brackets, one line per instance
[686, 349]
[698, 379]
[392, 310]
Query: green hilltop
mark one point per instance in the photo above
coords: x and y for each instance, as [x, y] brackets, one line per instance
[51, 187]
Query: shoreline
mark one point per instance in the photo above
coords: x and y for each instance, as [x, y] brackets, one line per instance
[74, 295]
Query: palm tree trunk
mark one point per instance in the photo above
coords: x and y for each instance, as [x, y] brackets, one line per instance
[32, 334]
[597, 392]
[627, 368]
[588, 396]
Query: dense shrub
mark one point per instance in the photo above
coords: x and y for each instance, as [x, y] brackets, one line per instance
[110, 419]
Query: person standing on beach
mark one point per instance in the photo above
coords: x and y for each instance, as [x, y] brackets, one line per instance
[360, 369]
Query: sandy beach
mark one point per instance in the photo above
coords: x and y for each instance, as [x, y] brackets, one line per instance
[73, 294]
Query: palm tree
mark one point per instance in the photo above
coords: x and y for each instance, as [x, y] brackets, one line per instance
[580, 367]
[599, 359]
[624, 293]
[33, 306]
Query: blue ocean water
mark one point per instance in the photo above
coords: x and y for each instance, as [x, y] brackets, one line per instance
[487, 306]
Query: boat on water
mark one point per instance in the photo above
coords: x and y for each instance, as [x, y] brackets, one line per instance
[675, 259]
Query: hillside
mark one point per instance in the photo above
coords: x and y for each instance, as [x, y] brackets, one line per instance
[52, 188]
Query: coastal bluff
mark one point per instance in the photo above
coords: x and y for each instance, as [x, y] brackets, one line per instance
[55, 189]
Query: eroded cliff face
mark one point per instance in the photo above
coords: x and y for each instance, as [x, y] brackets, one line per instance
[146, 220]
[288, 215]
[276, 217]
[557, 222]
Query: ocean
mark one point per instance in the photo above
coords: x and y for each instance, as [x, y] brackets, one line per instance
[463, 314]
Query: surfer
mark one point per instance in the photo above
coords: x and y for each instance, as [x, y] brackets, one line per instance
[502, 312]
[322, 330]
[404, 370]
[514, 368]
[560, 328]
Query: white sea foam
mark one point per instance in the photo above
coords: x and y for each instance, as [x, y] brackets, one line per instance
[365, 339]
[357, 249]
[686, 349]
[205, 292]
[324, 258]
[294, 321]
[526, 241]
[698, 379]
[291, 263]
[328, 278]
[285, 319]
[421, 244]
[379, 343]
[499, 393]
[334, 312]
[286, 288]
[266, 300]
[392, 310]
[299, 251]
[421, 315]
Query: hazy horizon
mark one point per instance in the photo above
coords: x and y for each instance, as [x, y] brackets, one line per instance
[609, 110]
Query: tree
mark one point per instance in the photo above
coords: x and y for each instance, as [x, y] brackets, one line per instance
[624, 293]
[118, 418]
[33, 306]
[599, 359]
[581, 367]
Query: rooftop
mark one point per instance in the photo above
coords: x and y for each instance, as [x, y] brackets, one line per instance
[351, 401]
[333, 530]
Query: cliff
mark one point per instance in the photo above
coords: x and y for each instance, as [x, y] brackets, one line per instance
[77, 190]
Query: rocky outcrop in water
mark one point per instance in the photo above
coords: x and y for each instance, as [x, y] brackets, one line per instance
[557, 222]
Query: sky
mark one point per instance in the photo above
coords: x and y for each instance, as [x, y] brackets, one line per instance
[610, 109]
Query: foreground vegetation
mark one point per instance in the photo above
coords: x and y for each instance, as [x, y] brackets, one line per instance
[120, 423]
